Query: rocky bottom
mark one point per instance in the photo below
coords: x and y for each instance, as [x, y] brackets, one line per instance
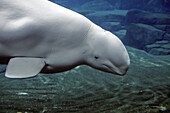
[145, 89]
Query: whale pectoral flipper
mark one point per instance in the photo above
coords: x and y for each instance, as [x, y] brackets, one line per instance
[24, 67]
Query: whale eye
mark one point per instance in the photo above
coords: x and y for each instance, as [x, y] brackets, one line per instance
[96, 57]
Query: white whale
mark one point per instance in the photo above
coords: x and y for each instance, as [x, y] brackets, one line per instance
[40, 36]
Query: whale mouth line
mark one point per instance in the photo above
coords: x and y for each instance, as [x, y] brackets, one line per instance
[109, 68]
[113, 69]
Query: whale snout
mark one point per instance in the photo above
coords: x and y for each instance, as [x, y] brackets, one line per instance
[123, 70]
[121, 65]
[118, 70]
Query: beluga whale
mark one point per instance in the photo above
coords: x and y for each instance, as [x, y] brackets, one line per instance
[38, 36]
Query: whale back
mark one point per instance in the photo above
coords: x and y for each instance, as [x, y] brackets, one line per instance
[23, 27]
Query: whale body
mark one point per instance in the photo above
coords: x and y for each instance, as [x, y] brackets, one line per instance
[38, 36]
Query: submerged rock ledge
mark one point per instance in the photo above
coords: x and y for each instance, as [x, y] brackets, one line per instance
[145, 29]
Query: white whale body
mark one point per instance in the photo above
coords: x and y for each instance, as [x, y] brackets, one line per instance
[38, 36]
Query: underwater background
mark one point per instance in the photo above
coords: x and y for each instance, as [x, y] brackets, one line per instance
[144, 27]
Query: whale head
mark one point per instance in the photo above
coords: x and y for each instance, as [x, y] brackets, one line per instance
[108, 53]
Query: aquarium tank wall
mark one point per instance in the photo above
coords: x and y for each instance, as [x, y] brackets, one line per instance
[144, 28]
